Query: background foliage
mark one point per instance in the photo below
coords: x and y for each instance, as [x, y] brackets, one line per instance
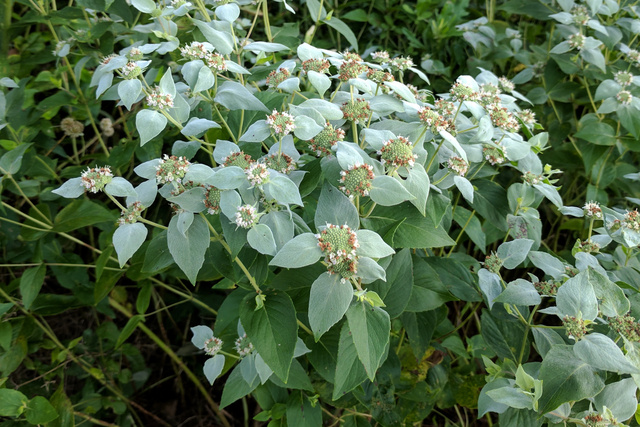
[499, 295]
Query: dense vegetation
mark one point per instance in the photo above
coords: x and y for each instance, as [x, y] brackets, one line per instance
[362, 213]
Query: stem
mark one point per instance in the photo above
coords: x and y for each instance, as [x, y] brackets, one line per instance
[434, 156]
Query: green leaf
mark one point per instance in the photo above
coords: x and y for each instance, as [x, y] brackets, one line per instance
[12, 402]
[157, 256]
[127, 239]
[144, 298]
[213, 367]
[234, 96]
[601, 352]
[396, 290]
[319, 81]
[597, 133]
[281, 188]
[306, 128]
[261, 239]
[31, 283]
[418, 184]
[547, 263]
[566, 378]
[81, 213]
[612, 299]
[11, 161]
[71, 189]
[343, 29]
[129, 91]
[505, 338]
[545, 339]
[350, 372]
[388, 191]
[472, 226]
[144, 6]
[301, 413]
[197, 126]
[513, 253]
[128, 329]
[120, 187]
[298, 252]
[619, 397]
[221, 40]
[490, 201]
[519, 292]
[266, 47]
[370, 328]
[329, 299]
[6, 332]
[628, 115]
[149, 124]
[272, 330]
[228, 12]
[298, 378]
[428, 291]
[335, 208]
[372, 245]
[236, 387]
[188, 250]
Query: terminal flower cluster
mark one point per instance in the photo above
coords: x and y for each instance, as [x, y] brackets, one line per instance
[592, 210]
[575, 327]
[277, 76]
[434, 121]
[351, 69]
[131, 214]
[243, 346]
[95, 179]
[257, 173]
[281, 123]
[282, 163]
[356, 181]
[212, 346]
[357, 111]
[171, 168]
[160, 100]
[328, 137]
[627, 326]
[212, 199]
[317, 65]
[397, 152]
[239, 158]
[547, 288]
[458, 165]
[71, 127]
[246, 216]
[339, 244]
[493, 263]
[494, 155]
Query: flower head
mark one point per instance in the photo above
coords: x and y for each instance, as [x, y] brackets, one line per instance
[95, 179]
[632, 220]
[328, 137]
[243, 346]
[277, 76]
[134, 54]
[357, 111]
[623, 78]
[239, 158]
[401, 63]
[351, 56]
[435, 121]
[627, 326]
[212, 346]
[106, 126]
[257, 174]
[212, 199]
[281, 123]
[493, 263]
[282, 163]
[71, 127]
[339, 244]
[458, 165]
[215, 62]
[131, 214]
[380, 56]
[506, 84]
[624, 97]
[461, 92]
[575, 327]
[495, 155]
[351, 69]
[547, 288]
[397, 152]
[379, 77]
[592, 210]
[527, 116]
[503, 119]
[356, 181]
[131, 70]
[317, 65]
[580, 14]
[195, 50]
[246, 216]
[159, 99]
[171, 168]
[577, 41]
[532, 178]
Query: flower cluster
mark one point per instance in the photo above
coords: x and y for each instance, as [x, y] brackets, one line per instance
[506, 84]
[592, 210]
[95, 179]
[495, 155]
[624, 97]
[351, 69]
[130, 71]
[357, 111]
[351, 56]
[527, 116]
[458, 165]
[434, 121]
[587, 246]
[632, 220]
[503, 119]
[580, 14]
[444, 107]
[339, 244]
[159, 99]
[397, 152]
[380, 56]
[171, 169]
[277, 76]
[243, 346]
[575, 327]
[401, 63]
[633, 56]
[356, 181]
[212, 346]
[532, 178]
[195, 50]
[71, 127]
[280, 162]
[257, 174]
[547, 288]
[246, 216]
[106, 126]
[215, 62]
[239, 158]
[627, 326]
[577, 41]
[131, 214]
[281, 123]
[461, 92]
[317, 65]
[326, 139]
[623, 78]
[379, 77]
[212, 199]
[134, 54]
[493, 263]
